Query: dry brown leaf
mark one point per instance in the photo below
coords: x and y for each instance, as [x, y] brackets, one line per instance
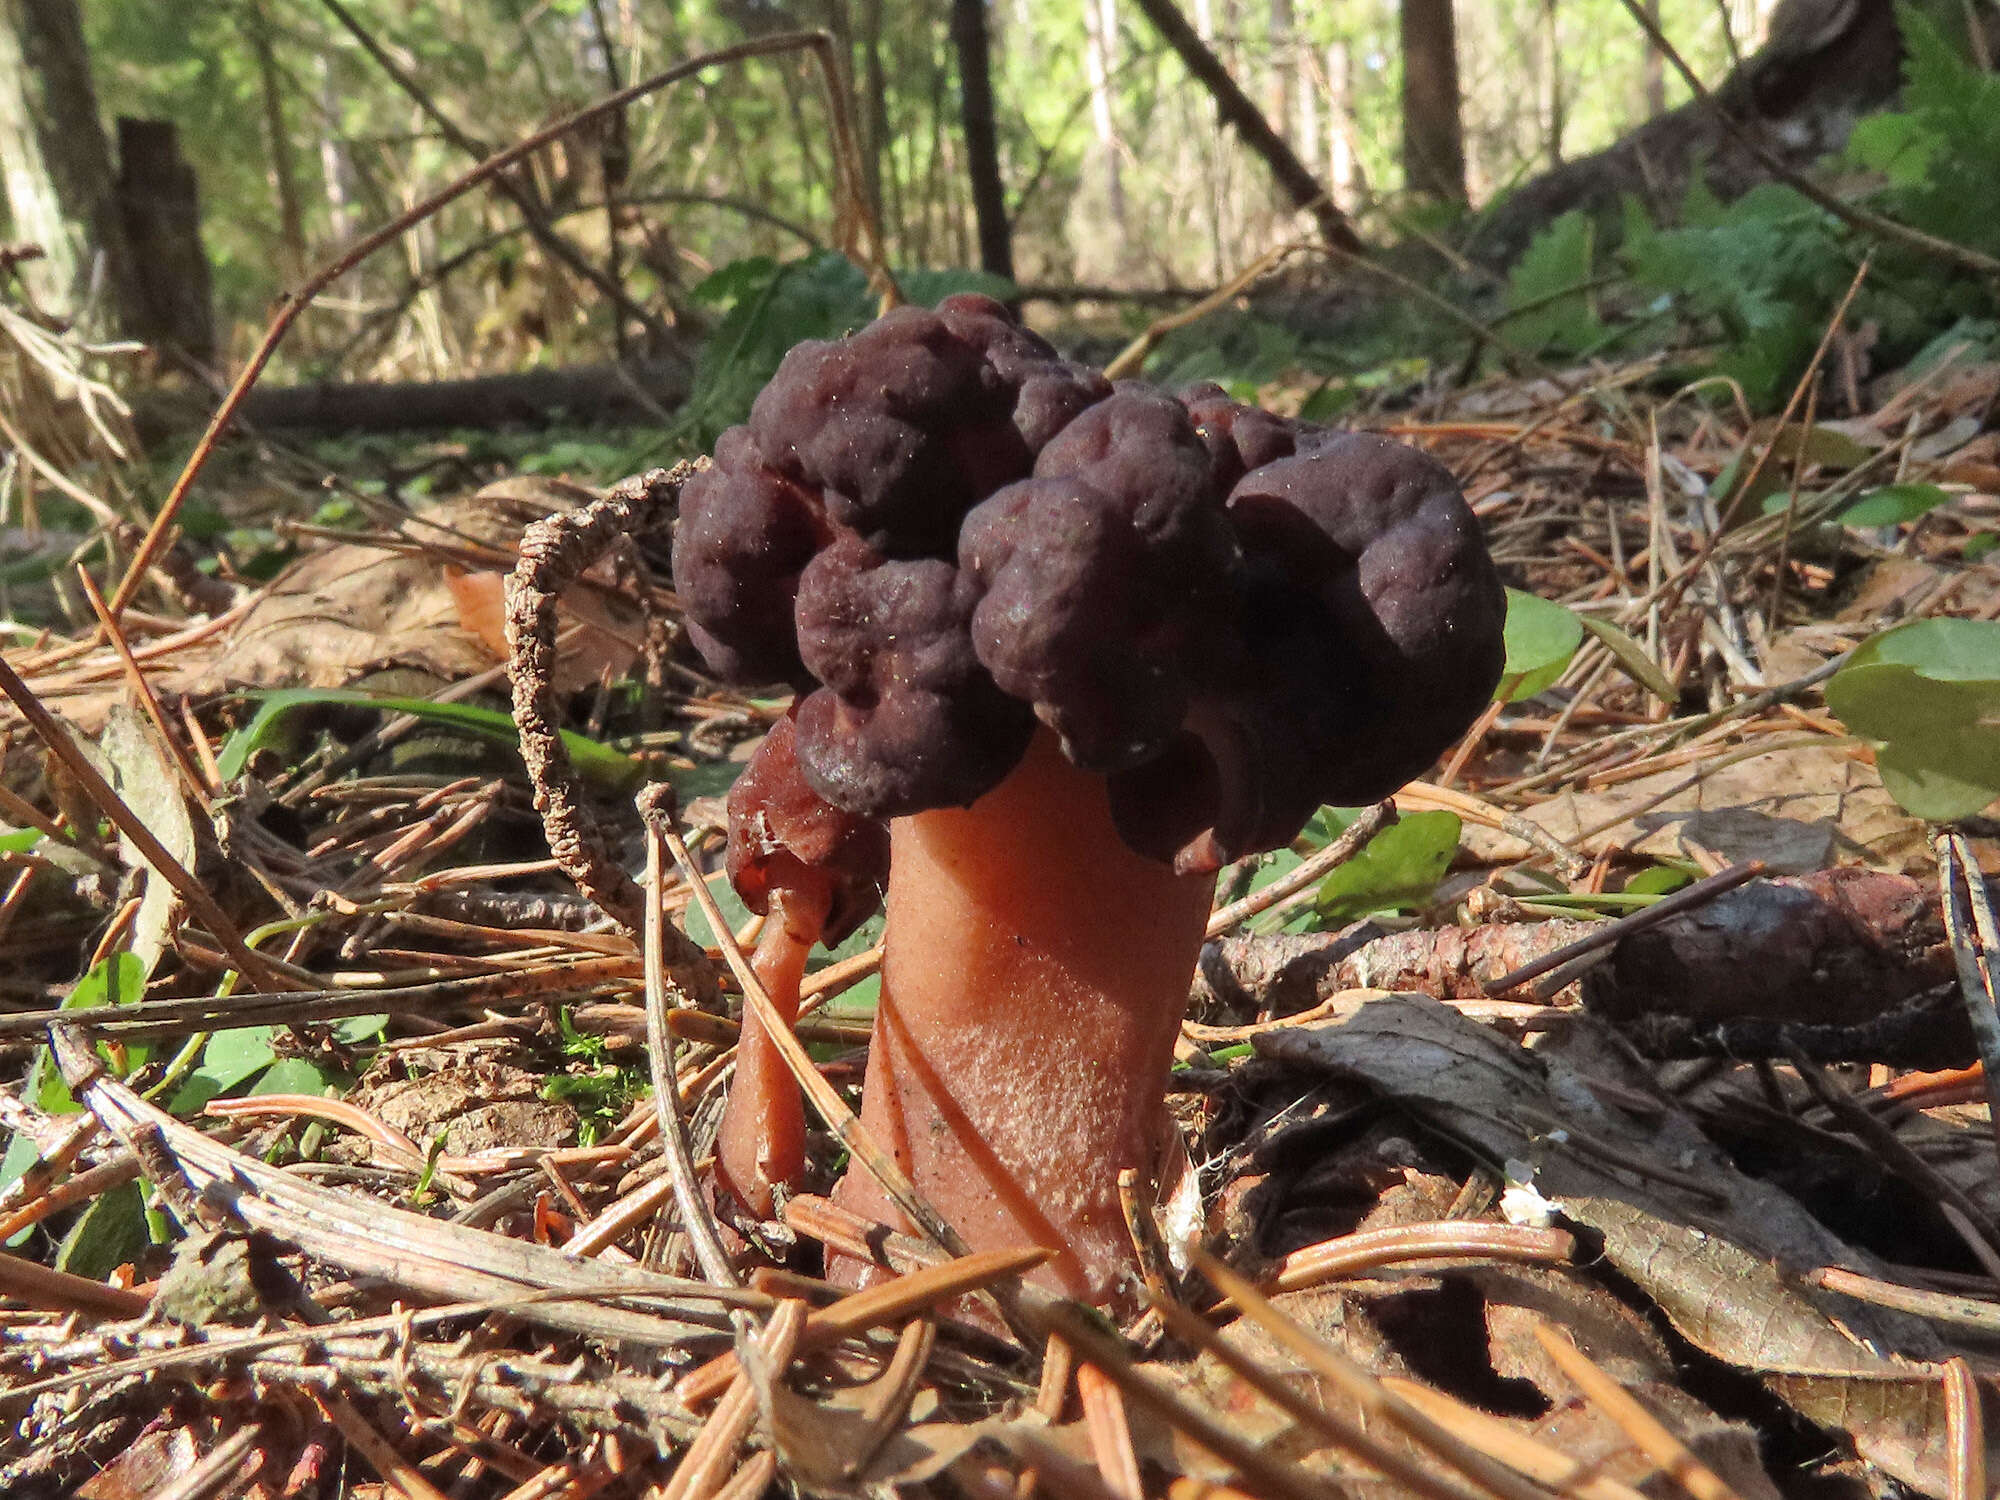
[478, 1105]
[149, 1465]
[141, 775]
[1719, 1252]
[1798, 809]
[1582, 1431]
[343, 611]
[350, 608]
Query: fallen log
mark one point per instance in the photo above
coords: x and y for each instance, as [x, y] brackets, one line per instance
[639, 392]
[1846, 965]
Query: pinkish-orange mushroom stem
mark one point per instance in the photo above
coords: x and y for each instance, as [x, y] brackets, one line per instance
[815, 873]
[762, 1139]
[1033, 983]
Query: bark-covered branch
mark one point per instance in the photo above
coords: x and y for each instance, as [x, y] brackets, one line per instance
[1235, 107]
[982, 149]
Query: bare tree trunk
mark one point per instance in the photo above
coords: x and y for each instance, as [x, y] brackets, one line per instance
[159, 208]
[1656, 65]
[1100, 19]
[1305, 69]
[614, 165]
[1214, 152]
[1284, 68]
[278, 137]
[1235, 107]
[1343, 170]
[982, 146]
[59, 174]
[335, 170]
[1558, 105]
[874, 111]
[35, 212]
[1433, 135]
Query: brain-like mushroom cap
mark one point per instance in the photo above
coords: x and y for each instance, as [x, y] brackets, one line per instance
[909, 423]
[746, 532]
[1372, 634]
[907, 719]
[1236, 617]
[1103, 579]
[1239, 438]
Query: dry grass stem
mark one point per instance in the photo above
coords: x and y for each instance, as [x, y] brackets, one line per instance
[697, 1218]
[1093, 1346]
[1309, 873]
[382, 1455]
[1546, 1465]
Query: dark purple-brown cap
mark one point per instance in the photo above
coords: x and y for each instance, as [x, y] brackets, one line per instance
[943, 533]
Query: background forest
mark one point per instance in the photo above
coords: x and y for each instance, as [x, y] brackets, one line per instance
[306, 123]
[345, 346]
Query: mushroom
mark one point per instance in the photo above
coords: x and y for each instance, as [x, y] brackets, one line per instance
[1078, 645]
[815, 874]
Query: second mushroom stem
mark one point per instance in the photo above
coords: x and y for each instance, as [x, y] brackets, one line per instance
[762, 1141]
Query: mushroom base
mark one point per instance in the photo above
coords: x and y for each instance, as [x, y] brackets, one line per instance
[1032, 989]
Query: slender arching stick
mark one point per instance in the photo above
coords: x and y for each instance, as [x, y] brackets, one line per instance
[855, 230]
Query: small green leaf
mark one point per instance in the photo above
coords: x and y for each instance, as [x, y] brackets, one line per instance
[1398, 869]
[111, 1232]
[22, 1154]
[1541, 638]
[1273, 867]
[294, 1075]
[1982, 545]
[599, 763]
[1892, 505]
[1944, 649]
[734, 912]
[356, 1030]
[119, 979]
[1659, 880]
[20, 841]
[1943, 783]
[1632, 656]
[1929, 694]
[229, 1059]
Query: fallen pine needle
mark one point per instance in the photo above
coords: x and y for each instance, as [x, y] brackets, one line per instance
[1540, 1462]
[1372, 1249]
[1368, 1393]
[1645, 1430]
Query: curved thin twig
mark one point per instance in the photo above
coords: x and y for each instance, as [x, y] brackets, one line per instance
[859, 237]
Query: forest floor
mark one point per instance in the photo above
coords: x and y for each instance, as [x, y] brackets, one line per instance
[361, 1169]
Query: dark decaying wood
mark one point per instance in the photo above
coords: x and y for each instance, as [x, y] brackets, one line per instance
[1827, 63]
[631, 394]
[1844, 964]
[159, 205]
